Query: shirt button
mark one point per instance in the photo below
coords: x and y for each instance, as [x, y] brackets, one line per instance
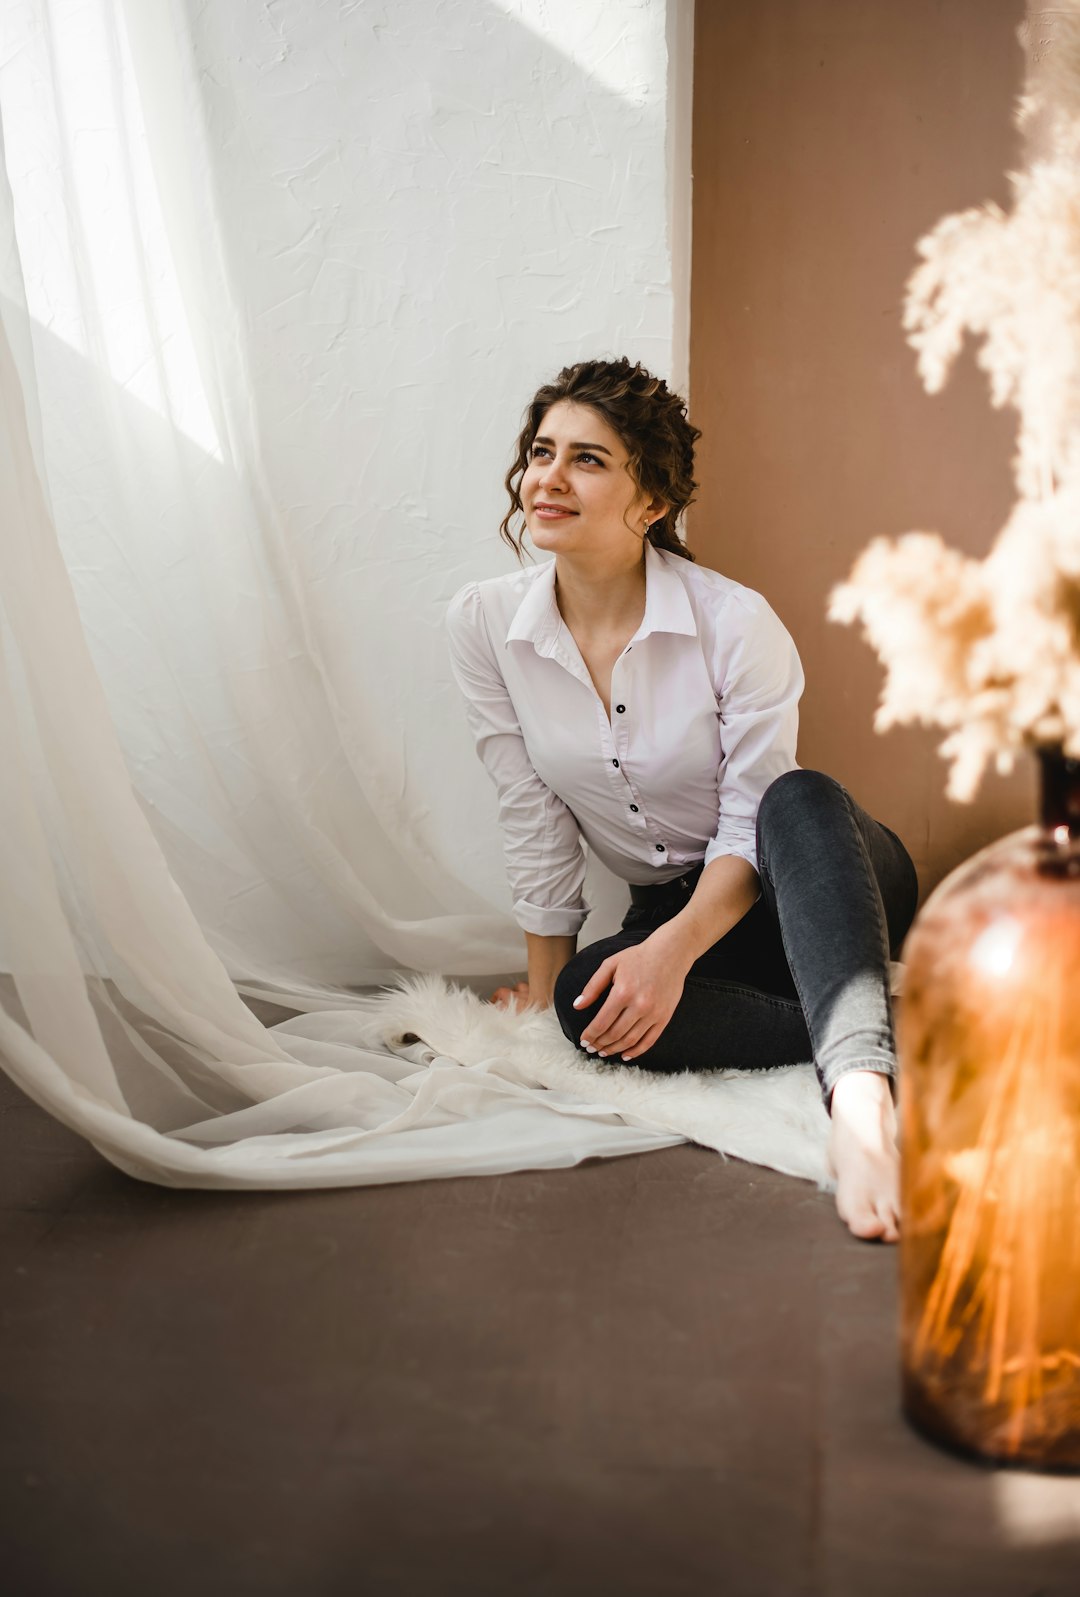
[634, 808]
[615, 763]
[620, 709]
[659, 848]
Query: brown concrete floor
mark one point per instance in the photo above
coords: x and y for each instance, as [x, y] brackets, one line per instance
[658, 1375]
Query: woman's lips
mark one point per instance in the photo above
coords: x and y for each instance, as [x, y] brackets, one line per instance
[548, 513]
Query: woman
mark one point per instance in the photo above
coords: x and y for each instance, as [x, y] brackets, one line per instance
[624, 695]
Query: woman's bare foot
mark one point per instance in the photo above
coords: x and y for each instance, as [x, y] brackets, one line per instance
[864, 1155]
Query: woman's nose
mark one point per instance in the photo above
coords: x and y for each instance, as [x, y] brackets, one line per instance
[552, 475]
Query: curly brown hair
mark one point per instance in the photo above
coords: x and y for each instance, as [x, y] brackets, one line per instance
[649, 419]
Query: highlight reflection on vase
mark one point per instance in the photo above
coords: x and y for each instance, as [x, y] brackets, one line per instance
[988, 1032]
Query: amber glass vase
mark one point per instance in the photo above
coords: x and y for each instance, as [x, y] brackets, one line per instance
[988, 1034]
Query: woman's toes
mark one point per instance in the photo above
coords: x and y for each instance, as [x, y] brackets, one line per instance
[869, 1220]
[865, 1200]
[890, 1219]
[866, 1222]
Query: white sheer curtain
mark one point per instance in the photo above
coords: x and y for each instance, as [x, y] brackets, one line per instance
[273, 292]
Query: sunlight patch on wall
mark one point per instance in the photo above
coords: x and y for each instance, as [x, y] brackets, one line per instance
[600, 43]
[90, 230]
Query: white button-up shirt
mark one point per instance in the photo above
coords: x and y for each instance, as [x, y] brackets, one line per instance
[704, 716]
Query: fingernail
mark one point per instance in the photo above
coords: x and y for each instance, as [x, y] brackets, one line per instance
[580, 999]
[589, 1049]
[602, 1054]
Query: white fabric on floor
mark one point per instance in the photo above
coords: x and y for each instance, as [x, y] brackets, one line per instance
[771, 1117]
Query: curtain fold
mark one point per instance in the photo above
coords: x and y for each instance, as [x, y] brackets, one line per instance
[317, 1104]
[235, 762]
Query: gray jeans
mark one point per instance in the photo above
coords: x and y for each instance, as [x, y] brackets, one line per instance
[805, 973]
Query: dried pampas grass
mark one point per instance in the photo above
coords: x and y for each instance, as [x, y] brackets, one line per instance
[990, 649]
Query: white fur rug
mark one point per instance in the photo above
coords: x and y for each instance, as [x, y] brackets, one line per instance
[769, 1117]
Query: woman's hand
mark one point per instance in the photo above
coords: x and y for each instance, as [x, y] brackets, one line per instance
[646, 984]
[513, 997]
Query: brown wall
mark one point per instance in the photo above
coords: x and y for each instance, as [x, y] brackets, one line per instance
[828, 136]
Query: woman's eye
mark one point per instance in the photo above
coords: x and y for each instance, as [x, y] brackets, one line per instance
[539, 449]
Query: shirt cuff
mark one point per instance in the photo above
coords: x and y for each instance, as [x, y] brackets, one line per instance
[550, 922]
[742, 850]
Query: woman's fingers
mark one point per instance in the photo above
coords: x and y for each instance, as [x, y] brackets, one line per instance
[633, 1039]
[612, 1022]
[617, 1030]
[628, 1034]
[600, 978]
[630, 1040]
[505, 997]
[619, 1017]
[643, 1044]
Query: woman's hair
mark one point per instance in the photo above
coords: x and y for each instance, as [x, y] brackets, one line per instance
[649, 419]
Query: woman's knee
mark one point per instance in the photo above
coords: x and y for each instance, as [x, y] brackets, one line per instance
[794, 791]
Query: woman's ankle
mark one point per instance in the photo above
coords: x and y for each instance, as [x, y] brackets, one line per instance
[862, 1084]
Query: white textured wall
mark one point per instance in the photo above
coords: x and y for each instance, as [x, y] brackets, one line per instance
[439, 204]
[434, 205]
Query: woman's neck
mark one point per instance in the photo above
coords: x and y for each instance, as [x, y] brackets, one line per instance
[596, 602]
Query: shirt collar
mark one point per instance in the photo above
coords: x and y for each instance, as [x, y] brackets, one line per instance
[667, 607]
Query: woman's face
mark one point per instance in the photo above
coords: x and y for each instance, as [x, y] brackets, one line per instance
[577, 491]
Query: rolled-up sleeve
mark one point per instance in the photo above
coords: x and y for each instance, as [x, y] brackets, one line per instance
[759, 680]
[545, 861]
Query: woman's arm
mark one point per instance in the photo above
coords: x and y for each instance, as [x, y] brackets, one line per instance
[726, 889]
[547, 956]
[758, 680]
[545, 863]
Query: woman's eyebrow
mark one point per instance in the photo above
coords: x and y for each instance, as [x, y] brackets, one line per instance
[599, 447]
